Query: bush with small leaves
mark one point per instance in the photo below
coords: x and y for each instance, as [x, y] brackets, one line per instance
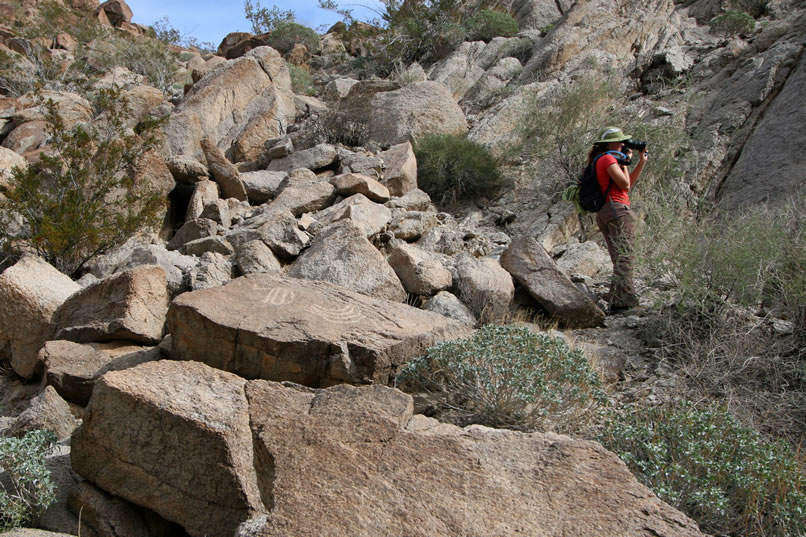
[301, 80]
[334, 127]
[487, 24]
[265, 20]
[728, 478]
[26, 488]
[80, 200]
[452, 167]
[509, 376]
[288, 33]
[733, 23]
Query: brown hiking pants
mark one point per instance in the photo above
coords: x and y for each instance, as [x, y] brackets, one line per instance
[616, 224]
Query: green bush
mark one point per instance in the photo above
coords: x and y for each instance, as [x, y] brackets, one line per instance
[451, 167]
[287, 34]
[487, 24]
[723, 475]
[80, 199]
[26, 488]
[733, 23]
[151, 58]
[301, 80]
[507, 376]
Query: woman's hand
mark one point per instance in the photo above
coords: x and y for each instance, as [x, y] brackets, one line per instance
[644, 155]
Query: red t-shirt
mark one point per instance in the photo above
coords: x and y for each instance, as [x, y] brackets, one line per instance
[616, 193]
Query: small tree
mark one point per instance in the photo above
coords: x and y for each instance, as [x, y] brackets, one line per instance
[80, 200]
[265, 20]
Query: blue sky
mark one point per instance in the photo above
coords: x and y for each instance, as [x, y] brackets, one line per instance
[210, 20]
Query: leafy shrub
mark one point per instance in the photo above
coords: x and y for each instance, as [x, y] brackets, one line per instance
[702, 461]
[30, 488]
[301, 80]
[287, 34]
[733, 23]
[80, 200]
[509, 376]
[487, 24]
[451, 167]
[715, 270]
[556, 129]
[334, 127]
[265, 20]
[151, 58]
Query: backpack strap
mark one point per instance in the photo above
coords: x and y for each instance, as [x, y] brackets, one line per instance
[610, 183]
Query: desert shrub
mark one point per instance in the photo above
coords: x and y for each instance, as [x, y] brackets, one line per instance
[151, 58]
[164, 31]
[508, 376]
[80, 199]
[733, 23]
[487, 24]
[265, 20]
[451, 167]
[557, 129]
[301, 80]
[723, 276]
[26, 488]
[334, 127]
[287, 34]
[727, 477]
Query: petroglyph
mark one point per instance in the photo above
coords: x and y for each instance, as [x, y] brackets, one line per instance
[346, 314]
[278, 296]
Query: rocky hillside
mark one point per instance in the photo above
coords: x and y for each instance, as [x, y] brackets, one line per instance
[232, 371]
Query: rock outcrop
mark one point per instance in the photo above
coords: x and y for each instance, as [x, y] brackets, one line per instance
[214, 452]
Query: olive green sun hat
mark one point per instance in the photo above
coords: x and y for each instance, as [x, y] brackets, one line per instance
[612, 134]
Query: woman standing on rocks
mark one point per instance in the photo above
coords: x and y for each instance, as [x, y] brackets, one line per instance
[614, 218]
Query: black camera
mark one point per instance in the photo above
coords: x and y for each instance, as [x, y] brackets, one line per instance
[635, 145]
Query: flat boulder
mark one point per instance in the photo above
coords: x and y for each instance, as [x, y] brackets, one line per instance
[73, 368]
[127, 306]
[311, 332]
[367, 215]
[534, 269]
[30, 293]
[173, 437]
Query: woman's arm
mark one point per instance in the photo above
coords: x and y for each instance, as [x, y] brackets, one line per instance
[638, 167]
[619, 175]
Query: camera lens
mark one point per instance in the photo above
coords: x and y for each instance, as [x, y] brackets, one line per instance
[635, 145]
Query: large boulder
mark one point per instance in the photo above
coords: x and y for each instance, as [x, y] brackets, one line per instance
[214, 453]
[534, 269]
[30, 293]
[247, 100]
[173, 437]
[310, 332]
[276, 228]
[368, 216]
[421, 272]
[421, 108]
[127, 306]
[342, 255]
[484, 286]
[223, 171]
[47, 411]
